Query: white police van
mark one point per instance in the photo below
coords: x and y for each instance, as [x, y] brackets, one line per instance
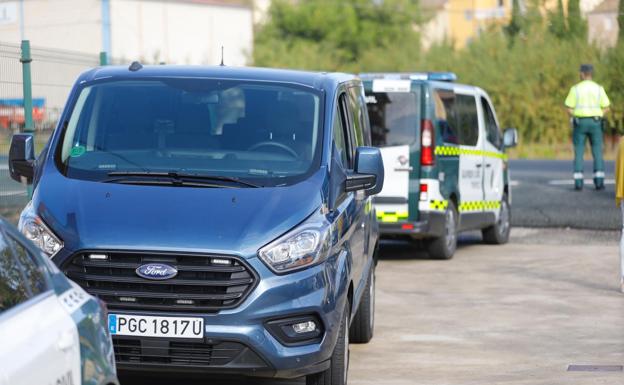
[444, 156]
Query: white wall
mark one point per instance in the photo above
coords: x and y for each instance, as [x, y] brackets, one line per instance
[61, 24]
[180, 32]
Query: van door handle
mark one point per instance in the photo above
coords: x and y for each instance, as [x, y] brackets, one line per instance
[404, 168]
[488, 165]
[479, 165]
[65, 341]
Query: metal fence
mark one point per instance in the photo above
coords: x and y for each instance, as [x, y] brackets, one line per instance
[53, 74]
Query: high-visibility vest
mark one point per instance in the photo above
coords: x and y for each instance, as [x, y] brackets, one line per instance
[587, 99]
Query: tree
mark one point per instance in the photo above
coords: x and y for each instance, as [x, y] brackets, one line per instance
[577, 26]
[620, 20]
[557, 22]
[336, 34]
[515, 24]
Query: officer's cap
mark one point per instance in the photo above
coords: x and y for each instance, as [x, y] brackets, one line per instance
[587, 68]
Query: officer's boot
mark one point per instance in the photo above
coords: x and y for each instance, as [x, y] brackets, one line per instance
[599, 183]
[578, 184]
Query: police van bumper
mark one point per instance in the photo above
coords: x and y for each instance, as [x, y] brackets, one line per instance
[430, 224]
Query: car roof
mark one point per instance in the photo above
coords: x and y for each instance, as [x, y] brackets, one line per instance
[317, 80]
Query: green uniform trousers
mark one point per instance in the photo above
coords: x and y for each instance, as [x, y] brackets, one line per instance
[588, 128]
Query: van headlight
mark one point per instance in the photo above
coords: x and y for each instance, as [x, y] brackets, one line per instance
[36, 230]
[306, 245]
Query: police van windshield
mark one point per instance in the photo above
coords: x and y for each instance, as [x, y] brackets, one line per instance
[394, 117]
[266, 134]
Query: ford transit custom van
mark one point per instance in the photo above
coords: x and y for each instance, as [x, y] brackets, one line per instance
[223, 214]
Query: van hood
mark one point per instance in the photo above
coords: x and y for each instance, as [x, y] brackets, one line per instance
[95, 215]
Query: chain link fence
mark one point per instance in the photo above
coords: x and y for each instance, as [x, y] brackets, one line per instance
[53, 74]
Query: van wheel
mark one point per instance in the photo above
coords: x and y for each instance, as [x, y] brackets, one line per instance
[498, 233]
[339, 365]
[363, 325]
[444, 246]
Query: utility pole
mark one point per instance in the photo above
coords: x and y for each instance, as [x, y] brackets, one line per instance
[21, 16]
[106, 33]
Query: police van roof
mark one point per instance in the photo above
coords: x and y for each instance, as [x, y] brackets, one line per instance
[432, 76]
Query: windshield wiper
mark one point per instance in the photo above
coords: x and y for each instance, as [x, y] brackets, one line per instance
[179, 177]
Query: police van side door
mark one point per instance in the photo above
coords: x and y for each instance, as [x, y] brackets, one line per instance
[39, 338]
[493, 182]
[470, 160]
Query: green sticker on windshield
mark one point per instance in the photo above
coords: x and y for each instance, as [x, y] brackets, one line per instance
[77, 151]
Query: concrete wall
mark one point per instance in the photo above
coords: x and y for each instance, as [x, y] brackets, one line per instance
[176, 32]
[180, 32]
[603, 29]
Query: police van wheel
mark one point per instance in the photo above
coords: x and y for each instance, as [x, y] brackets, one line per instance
[498, 233]
[444, 246]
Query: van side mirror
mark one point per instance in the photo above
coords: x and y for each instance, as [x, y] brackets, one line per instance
[22, 158]
[510, 138]
[368, 174]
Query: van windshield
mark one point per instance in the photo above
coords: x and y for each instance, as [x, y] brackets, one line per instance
[394, 117]
[261, 133]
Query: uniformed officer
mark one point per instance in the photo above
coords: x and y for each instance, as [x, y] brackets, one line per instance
[587, 103]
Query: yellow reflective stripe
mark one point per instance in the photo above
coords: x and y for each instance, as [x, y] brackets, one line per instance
[479, 205]
[438, 205]
[456, 151]
[391, 216]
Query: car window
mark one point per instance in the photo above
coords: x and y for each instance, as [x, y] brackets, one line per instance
[357, 116]
[34, 274]
[394, 117]
[13, 287]
[468, 120]
[266, 133]
[446, 115]
[347, 130]
[493, 131]
[339, 138]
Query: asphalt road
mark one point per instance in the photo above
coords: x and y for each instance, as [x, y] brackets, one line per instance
[543, 196]
[518, 314]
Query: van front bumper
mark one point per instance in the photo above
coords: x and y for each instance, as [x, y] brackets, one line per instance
[429, 225]
[244, 334]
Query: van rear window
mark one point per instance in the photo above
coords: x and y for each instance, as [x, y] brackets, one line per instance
[394, 117]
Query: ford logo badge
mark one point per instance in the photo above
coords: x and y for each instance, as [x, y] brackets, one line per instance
[156, 271]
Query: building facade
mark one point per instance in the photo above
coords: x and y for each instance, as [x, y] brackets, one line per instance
[602, 23]
[154, 31]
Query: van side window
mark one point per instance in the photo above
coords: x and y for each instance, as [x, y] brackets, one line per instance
[468, 120]
[493, 132]
[357, 116]
[446, 116]
[33, 273]
[339, 138]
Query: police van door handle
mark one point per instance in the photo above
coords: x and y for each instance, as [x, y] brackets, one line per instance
[479, 165]
[488, 165]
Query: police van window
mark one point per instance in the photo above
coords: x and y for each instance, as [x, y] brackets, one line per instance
[493, 132]
[339, 138]
[13, 287]
[467, 120]
[33, 272]
[394, 117]
[445, 115]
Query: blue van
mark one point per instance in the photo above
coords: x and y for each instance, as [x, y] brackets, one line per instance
[223, 214]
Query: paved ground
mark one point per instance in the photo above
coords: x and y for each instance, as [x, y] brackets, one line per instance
[544, 196]
[516, 314]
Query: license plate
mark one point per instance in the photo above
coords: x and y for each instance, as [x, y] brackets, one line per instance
[149, 326]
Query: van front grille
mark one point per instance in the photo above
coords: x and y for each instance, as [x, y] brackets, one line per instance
[204, 283]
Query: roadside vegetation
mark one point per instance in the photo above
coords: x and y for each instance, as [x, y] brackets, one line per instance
[526, 65]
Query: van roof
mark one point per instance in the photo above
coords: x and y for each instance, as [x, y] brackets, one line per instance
[318, 80]
[423, 76]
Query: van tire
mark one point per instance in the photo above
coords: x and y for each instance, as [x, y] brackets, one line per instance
[444, 246]
[363, 324]
[338, 370]
[498, 234]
